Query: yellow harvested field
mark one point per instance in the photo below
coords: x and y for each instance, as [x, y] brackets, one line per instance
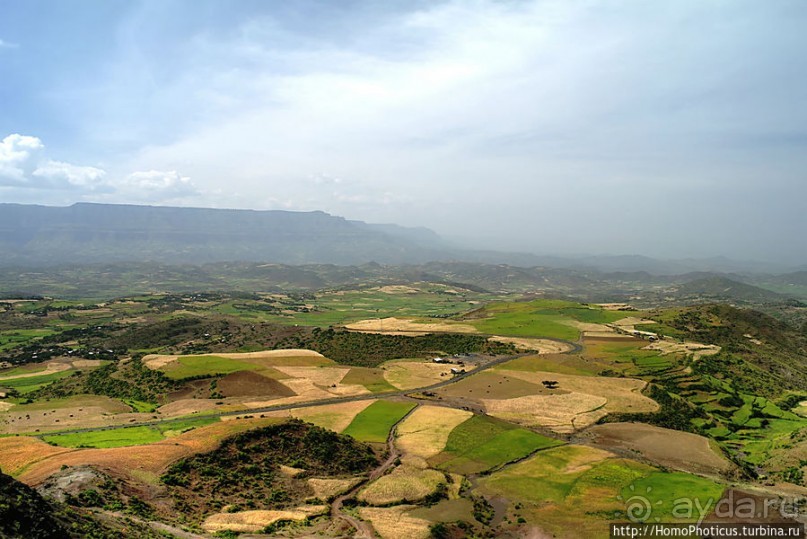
[669, 448]
[542, 346]
[406, 482]
[93, 412]
[631, 321]
[323, 376]
[154, 361]
[395, 523]
[326, 489]
[415, 373]
[587, 326]
[621, 394]
[425, 432]
[19, 452]
[335, 417]
[562, 413]
[86, 363]
[187, 406]
[398, 289]
[402, 326]
[255, 521]
[696, 350]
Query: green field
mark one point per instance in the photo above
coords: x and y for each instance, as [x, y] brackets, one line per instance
[675, 496]
[374, 422]
[32, 383]
[482, 443]
[12, 338]
[540, 318]
[372, 379]
[189, 366]
[127, 436]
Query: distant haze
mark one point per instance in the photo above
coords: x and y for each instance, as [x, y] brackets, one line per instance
[668, 128]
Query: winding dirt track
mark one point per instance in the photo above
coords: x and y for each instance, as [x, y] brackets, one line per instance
[364, 530]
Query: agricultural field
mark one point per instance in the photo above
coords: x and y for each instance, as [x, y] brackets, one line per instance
[479, 444]
[373, 424]
[569, 408]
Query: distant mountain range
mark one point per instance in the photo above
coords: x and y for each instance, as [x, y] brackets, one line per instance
[33, 236]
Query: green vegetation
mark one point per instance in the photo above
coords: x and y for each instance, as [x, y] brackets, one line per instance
[482, 443]
[130, 381]
[370, 350]
[197, 366]
[673, 494]
[29, 384]
[372, 379]
[127, 436]
[244, 472]
[373, 424]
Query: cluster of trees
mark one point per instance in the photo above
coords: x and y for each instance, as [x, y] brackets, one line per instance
[370, 350]
[244, 470]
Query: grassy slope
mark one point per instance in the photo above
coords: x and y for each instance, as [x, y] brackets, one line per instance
[374, 422]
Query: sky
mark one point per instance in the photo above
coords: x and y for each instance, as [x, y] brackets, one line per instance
[671, 128]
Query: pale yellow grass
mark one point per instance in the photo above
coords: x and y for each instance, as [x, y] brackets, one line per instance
[414, 374]
[621, 394]
[326, 489]
[562, 413]
[19, 452]
[335, 417]
[5, 406]
[630, 321]
[50, 368]
[187, 406]
[155, 361]
[324, 376]
[406, 482]
[587, 326]
[394, 326]
[395, 523]
[425, 432]
[255, 521]
[542, 346]
[86, 363]
[696, 350]
[398, 289]
[290, 471]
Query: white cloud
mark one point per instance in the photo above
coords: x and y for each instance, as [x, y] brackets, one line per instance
[66, 175]
[24, 167]
[18, 155]
[7, 45]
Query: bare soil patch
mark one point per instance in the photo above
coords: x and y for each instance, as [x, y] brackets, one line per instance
[671, 448]
[252, 384]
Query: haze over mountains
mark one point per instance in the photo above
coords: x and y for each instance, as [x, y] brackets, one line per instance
[33, 235]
